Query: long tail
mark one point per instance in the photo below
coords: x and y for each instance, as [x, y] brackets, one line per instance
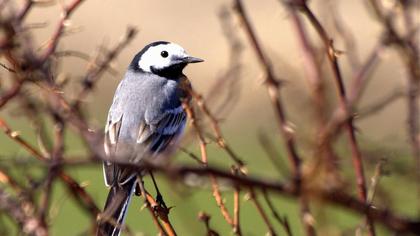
[115, 209]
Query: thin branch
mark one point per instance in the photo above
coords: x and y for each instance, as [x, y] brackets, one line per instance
[216, 128]
[25, 10]
[333, 62]
[236, 206]
[284, 222]
[162, 213]
[336, 196]
[379, 105]
[11, 93]
[53, 42]
[80, 195]
[192, 155]
[205, 218]
[273, 84]
[7, 68]
[272, 154]
[261, 211]
[95, 71]
[21, 212]
[375, 180]
[202, 142]
[409, 53]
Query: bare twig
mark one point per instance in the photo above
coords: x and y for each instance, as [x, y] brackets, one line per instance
[261, 211]
[33, 70]
[162, 214]
[377, 106]
[375, 180]
[11, 93]
[22, 213]
[7, 68]
[273, 84]
[409, 53]
[99, 67]
[204, 217]
[338, 197]
[216, 128]
[333, 62]
[202, 142]
[236, 206]
[75, 189]
[53, 42]
[282, 220]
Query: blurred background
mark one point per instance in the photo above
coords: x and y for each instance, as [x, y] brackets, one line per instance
[197, 26]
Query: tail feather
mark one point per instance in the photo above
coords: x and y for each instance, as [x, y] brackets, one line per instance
[115, 209]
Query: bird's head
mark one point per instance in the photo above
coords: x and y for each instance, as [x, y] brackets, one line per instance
[162, 58]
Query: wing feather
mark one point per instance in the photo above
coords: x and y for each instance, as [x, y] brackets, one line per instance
[112, 131]
[168, 127]
[153, 137]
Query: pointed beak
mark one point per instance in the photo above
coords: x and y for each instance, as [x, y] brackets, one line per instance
[190, 59]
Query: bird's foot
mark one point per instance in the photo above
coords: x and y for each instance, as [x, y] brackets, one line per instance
[160, 202]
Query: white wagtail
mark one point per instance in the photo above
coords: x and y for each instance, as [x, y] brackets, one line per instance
[145, 119]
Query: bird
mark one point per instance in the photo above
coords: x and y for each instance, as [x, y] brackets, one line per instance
[145, 121]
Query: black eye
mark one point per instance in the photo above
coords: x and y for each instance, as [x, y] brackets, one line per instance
[164, 54]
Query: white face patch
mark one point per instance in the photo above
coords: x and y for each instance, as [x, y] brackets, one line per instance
[153, 56]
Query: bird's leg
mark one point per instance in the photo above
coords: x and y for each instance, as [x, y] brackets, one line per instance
[140, 189]
[159, 198]
[137, 191]
[139, 186]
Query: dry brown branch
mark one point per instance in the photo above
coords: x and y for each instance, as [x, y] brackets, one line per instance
[409, 53]
[11, 93]
[332, 54]
[192, 155]
[379, 105]
[22, 213]
[326, 160]
[230, 80]
[102, 64]
[216, 128]
[80, 195]
[257, 204]
[205, 218]
[6, 178]
[163, 214]
[336, 196]
[272, 154]
[7, 68]
[28, 201]
[26, 8]
[202, 142]
[282, 220]
[236, 205]
[349, 38]
[53, 42]
[273, 84]
[375, 180]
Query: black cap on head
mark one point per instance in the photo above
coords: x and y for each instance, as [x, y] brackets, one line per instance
[134, 63]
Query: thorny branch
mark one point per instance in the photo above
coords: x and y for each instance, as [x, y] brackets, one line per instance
[28, 68]
[203, 150]
[332, 55]
[337, 197]
[273, 84]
